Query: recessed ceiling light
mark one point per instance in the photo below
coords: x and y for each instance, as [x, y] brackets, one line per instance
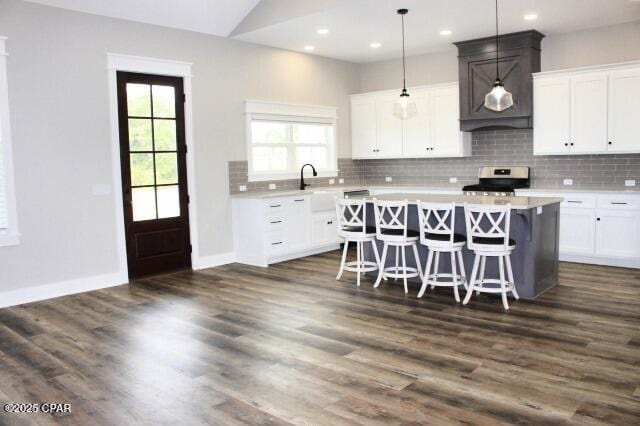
[446, 32]
[309, 48]
[323, 31]
[530, 16]
[375, 45]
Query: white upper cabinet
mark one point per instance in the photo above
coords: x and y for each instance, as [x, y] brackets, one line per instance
[587, 111]
[389, 128]
[552, 115]
[624, 111]
[588, 114]
[433, 132]
[363, 127]
[416, 131]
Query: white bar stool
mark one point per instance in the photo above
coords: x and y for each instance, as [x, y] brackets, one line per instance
[488, 236]
[391, 229]
[352, 226]
[437, 232]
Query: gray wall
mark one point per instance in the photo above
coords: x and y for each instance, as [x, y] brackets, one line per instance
[597, 46]
[59, 104]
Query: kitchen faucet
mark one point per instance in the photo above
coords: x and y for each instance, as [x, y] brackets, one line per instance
[302, 184]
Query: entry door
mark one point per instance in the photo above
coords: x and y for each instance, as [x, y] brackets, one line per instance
[154, 174]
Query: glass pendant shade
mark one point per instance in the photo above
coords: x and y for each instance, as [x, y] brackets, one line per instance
[404, 108]
[498, 99]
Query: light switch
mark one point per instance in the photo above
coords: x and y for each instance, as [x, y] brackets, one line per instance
[388, 179]
[332, 181]
[340, 180]
[567, 182]
[453, 180]
[272, 186]
[242, 188]
[539, 210]
[630, 182]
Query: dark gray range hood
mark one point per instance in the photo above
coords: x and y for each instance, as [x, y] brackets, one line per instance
[519, 58]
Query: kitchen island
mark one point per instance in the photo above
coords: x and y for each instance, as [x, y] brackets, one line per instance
[535, 225]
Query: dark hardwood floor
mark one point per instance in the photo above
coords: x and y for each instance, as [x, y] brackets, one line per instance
[290, 344]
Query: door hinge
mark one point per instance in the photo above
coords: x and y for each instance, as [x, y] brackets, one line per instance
[184, 97]
[188, 199]
[190, 249]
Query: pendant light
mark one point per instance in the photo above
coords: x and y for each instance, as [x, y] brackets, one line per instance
[498, 99]
[404, 109]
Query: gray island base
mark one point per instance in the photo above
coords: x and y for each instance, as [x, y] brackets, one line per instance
[535, 224]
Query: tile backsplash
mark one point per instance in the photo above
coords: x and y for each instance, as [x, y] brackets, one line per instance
[490, 147]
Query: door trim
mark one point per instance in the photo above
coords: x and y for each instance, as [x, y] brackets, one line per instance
[117, 62]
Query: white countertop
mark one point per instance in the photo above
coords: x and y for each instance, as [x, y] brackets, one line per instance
[631, 191]
[517, 203]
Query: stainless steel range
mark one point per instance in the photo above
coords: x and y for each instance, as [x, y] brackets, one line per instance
[499, 181]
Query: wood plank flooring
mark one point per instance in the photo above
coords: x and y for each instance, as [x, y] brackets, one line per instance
[291, 345]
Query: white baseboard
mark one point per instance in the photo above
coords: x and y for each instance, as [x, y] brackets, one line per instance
[305, 253]
[60, 288]
[213, 261]
[605, 261]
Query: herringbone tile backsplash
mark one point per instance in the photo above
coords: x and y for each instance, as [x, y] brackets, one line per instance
[491, 147]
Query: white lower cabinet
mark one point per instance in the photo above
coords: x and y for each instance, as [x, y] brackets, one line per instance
[600, 228]
[275, 229]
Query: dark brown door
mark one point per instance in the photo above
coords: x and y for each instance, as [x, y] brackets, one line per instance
[154, 173]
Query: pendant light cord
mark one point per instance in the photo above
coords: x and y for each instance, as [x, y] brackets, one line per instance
[404, 72]
[497, 46]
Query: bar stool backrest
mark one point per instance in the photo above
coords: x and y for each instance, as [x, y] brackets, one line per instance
[483, 221]
[436, 218]
[391, 216]
[351, 213]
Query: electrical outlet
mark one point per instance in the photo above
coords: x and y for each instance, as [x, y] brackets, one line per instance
[242, 188]
[332, 181]
[453, 180]
[340, 180]
[388, 179]
[272, 186]
[567, 182]
[630, 182]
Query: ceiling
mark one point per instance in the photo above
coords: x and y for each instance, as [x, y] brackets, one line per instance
[216, 17]
[354, 24]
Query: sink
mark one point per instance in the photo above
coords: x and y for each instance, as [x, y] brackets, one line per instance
[323, 200]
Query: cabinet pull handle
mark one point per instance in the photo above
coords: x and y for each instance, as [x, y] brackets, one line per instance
[574, 201]
[330, 223]
[275, 205]
[276, 221]
[280, 242]
[618, 203]
[298, 200]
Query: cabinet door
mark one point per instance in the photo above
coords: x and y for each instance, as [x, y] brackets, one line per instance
[389, 128]
[297, 216]
[589, 114]
[624, 111]
[363, 127]
[551, 116]
[446, 138]
[324, 229]
[577, 231]
[617, 233]
[415, 131]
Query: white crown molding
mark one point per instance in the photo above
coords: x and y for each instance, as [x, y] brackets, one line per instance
[589, 69]
[299, 110]
[144, 64]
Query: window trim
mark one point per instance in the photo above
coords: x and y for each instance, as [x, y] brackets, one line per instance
[260, 110]
[9, 236]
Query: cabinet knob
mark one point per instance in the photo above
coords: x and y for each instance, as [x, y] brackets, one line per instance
[598, 219]
[610, 143]
[566, 144]
[571, 143]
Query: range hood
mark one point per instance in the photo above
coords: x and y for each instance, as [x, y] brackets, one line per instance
[519, 58]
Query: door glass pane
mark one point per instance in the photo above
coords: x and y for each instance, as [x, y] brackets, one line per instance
[164, 101]
[316, 155]
[164, 132]
[268, 132]
[138, 100]
[269, 158]
[166, 168]
[144, 203]
[310, 133]
[168, 201]
[140, 135]
[141, 169]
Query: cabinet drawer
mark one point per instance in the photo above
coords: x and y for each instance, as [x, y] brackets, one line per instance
[578, 201]
[274, 222]
[274, 205]
[619, 202]
[275, 242]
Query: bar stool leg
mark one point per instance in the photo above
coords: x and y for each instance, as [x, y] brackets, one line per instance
[416, 255]
[427, 272]
[358, 243]
[436, 269]
[483, 263]
[383, 260]
[344, 259]
[463, 274]
[454, 277]
[404, 268]
[397, 266]
[510, 275]
[375, 253]
[503, 283]
[472, 282]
